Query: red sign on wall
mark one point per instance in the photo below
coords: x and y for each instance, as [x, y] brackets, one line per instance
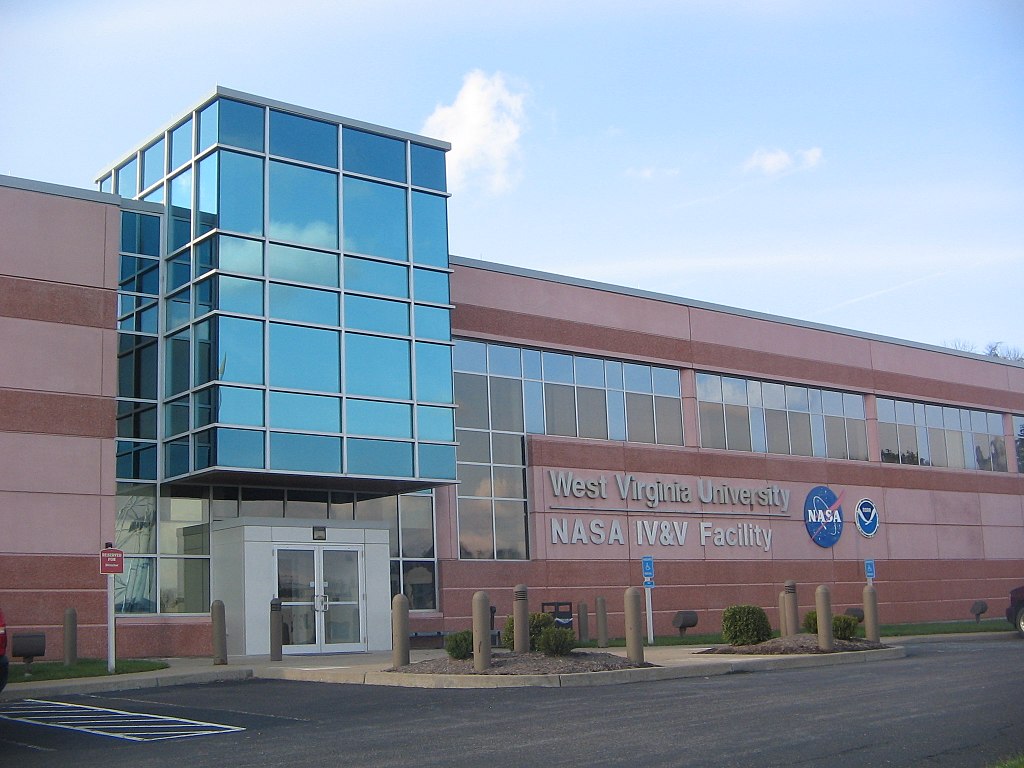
[111, 561]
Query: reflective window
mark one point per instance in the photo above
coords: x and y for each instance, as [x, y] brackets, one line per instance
[510, 530]
[434, 423]
[128, 179]
[375, 219]
[373, 155]
[302, 266]
[379, 367]
[637, 377]
[181, 145]
[184, 585]
[476, 529]
[241, 125]
[184, 521]
[135, 527]
[239, 448]
[140, 233]
[429, 229]
[300, 138]
[231, 254]
[428, 167]
[433, 323]
[382, 458]
[376, 277]
[1018, 439]
[314, 413]
[176, 363]
[305, 453]
[503, 361]
[236, 405]
[304, 358]
[303, 205]
[135, 460]
[639, 418]
[366, 314]
[239, 351]
[431, 286]
[153, 164]
[433, 373]
[378, 418]
[241, 193]
[506, 404]
[307, 305]
[237, 294]
[181, 210]
[471, 396]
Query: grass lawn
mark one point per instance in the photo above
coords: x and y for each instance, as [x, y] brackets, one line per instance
[55, 670]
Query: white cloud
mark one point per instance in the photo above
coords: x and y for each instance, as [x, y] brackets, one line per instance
[484, 125]
[647, 173]
[772, 162]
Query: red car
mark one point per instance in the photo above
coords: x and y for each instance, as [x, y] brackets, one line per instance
[1015, 613]
[3, 651]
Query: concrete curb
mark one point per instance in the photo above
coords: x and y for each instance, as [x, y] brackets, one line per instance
[128, 682]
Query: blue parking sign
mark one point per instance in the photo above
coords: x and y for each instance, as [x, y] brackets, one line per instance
[869, 569]
[647, 563]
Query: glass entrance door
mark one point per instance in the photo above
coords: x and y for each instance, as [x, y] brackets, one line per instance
[321, 593]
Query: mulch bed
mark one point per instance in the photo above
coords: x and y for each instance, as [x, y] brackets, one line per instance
[525, 664]
[802, 643]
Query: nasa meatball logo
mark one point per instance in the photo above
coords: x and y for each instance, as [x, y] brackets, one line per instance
[823, 516]
[867, 518]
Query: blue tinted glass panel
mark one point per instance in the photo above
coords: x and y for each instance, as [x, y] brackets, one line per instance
[377, 366]
[503, 361]
[241, 125]
[300, 138]
[533, 406]
[208, 126]
[239, 448]
[181, 144]
[435, 423]
[427, 167]
[304, 358]
[206, 195]
[306, 305]
[303, 205]
[107, 184]
[140, 233]
[128, 179]
[236, 254]
[373, 155]
[531, 364]
[153, 164]
[375, 219]
[376, 277]
[372, 417]
[666, 382]
[616, 415]
[176, 361]
[433, 373]
[429, 229]
[236, 405]
[366, 314]
[156, 196]
[314, 413]
[613, 374]
[430, 285]
[437, 461]
[433, 323]
[236, 294]
[241, 193]
[379, 457]
[181, 209]
[306, 453]
[240, 350]
[302, 266]
[638, 377]
[470, 356]
[589, 371]
[558, 367]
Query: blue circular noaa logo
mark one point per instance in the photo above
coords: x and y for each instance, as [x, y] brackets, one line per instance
[823, 516]
[867, 518]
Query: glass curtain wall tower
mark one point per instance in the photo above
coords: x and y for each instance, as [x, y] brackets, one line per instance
[304, 355]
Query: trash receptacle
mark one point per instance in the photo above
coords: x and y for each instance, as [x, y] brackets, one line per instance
[562, 613]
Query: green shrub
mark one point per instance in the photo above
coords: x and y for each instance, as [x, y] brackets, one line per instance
[459, 645]
[538, 623]
[844, 627]
[556, 641]
[745, 625]
[810, 624]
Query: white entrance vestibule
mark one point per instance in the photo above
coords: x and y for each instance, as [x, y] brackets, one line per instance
[333, 578]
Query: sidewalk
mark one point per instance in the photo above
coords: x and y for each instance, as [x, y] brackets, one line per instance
[369, 669]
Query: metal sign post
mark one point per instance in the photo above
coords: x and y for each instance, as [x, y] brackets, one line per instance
[111, 564]
[647, 563]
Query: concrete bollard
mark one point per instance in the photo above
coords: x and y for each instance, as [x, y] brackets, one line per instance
[399, 631]
[783, 630]
[276, 629]
[792, 618]
[481, 631]
[219, 627]
[634, 625]
[871, 614]
[70, 637]
[520, 619]
[583, 621]
[602, 623]
[823, 606]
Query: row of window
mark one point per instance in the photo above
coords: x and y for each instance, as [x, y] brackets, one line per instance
[283, 134]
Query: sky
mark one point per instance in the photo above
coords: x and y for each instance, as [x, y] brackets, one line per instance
[855, 164]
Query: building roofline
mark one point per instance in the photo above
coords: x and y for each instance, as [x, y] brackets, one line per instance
[490, 266]
[78, 193]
